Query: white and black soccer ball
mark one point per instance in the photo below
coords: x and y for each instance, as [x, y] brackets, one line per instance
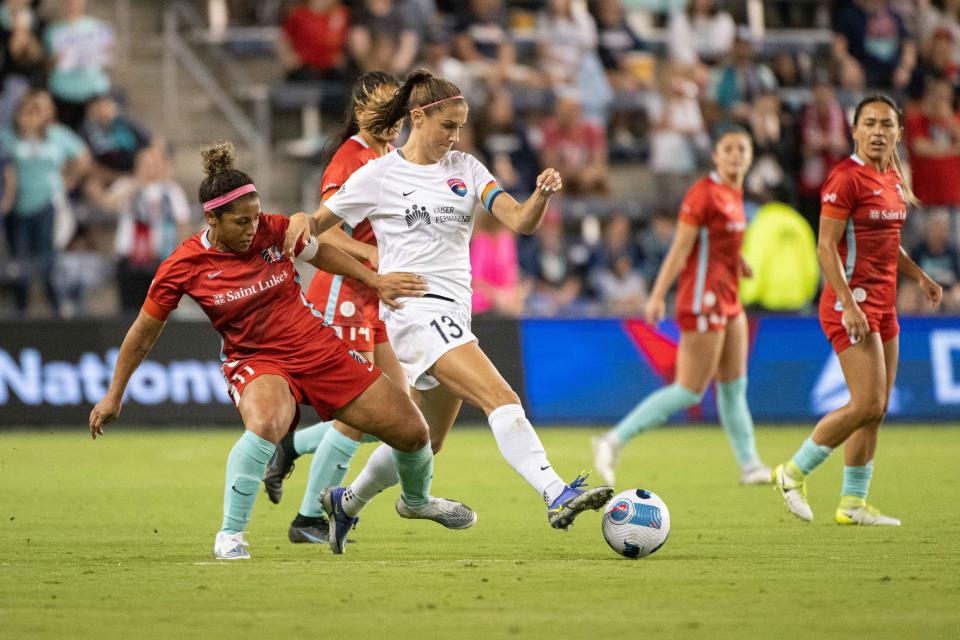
[636, 523]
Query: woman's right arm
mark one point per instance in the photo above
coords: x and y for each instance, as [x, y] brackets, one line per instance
[680, 248]
[854, 320]
[140, 338]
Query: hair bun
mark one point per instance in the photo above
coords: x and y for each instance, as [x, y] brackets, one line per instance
[219, 157]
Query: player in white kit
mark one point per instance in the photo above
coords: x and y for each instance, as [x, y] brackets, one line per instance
[421, 200]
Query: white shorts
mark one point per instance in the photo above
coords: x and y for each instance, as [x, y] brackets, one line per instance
[424, 330]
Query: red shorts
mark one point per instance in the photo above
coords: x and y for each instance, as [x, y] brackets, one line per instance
[326, 379]
[362, 338]
[832, 323]
[703, 322]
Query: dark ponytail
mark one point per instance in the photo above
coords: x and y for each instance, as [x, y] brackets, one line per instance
[421, 88]
[221, 176]
[364, 91]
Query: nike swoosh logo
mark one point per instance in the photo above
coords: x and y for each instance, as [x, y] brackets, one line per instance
[406, 193]
[213, 275]
[342, 467]
[312, 538]
[241, 492]
[876, 193]
[544, 468]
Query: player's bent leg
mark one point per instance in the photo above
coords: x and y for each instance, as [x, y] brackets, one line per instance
[440, 408]
[267, 409]
[467, 373]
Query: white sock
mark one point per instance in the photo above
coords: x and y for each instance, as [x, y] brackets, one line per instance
[379, 473]
[522, 450]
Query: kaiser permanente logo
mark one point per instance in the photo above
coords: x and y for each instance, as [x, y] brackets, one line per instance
[26, 378]
[245, 292]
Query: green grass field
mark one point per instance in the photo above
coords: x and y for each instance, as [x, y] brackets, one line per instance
[112, 539]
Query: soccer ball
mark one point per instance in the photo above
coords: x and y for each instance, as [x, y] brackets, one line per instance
[636, 523]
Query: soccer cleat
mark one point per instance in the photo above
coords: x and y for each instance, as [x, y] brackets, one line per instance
[605, 455]
[758, 473]
[573, 501]
[449, 513]
[794, 493]
[279, 468]
[340, 522]
[309, 530]
[230, 546]
[860, 513]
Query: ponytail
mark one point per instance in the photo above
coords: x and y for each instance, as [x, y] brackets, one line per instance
[906, 179]
[421, 89]
[364, 93]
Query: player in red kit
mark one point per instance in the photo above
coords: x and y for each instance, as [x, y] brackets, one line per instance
[864, 205]
[277, 353]
[705, 254]
[350, 307]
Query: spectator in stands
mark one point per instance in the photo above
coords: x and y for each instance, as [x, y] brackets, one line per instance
[576, 148]
[938, 256]
[483, 42]
[870, 36]
[624, 55]
[937, 61]
[81, 48]
[50, 159]
[786, 69]
[436, 56]
[154, 216]
[383, 36]
[940, 15]
[22, 62]
[678, 135]
[737, 83]
[312, 39]
[555, 267]
[614, 275]
[774, 164]
[655, 243]
[79, 269]
[703, 33]
[824, 141]
[496, 272]
[114, 140]
[566, 35]
[932, 133]
[505, 145]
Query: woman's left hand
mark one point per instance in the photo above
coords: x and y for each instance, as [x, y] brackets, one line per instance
[745, 270]
[549, 182]
[391, 286]
[931, 290]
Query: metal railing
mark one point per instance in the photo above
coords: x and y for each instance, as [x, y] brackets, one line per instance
[179, 53]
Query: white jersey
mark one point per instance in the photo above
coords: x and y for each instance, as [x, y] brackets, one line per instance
[421, 214]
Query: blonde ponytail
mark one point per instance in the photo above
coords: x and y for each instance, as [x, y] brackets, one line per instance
[906, 179]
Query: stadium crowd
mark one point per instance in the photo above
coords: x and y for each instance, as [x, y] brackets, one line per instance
[600, 89]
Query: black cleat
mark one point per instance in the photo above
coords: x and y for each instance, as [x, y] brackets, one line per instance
[279, 468]
[309, 530]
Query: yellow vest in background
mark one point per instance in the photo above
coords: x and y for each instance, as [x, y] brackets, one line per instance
[780, 248]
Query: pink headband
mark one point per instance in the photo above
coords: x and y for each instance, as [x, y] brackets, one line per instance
[433, 104]
[210, 205]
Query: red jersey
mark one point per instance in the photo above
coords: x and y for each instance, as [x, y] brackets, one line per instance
[934, 179]
[873, 206]
[709, 284]
[318, 37]
[342, 301]
[252, 298]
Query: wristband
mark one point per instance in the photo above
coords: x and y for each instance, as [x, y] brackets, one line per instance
[310, 248]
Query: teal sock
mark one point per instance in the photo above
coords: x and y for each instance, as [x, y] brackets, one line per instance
[329, 466]
[654, 411]
[737, 421]
[245, 466]
[416, 472]
[307, 440]
[856, 481]
[810, 455]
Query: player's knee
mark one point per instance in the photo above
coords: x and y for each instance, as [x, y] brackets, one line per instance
[411, 440]
[497, 395]
[871, 411]
[269, 429]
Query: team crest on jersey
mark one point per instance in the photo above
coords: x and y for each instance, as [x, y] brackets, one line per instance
[458, 186]
[219, 298]
[903, 198]
[272, 254]
[416, 214]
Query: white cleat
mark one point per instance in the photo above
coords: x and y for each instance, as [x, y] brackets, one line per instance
[794, 494]
[865, 515]
[230, 546]
[755, 474]
[449, 513]
[605, 456]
